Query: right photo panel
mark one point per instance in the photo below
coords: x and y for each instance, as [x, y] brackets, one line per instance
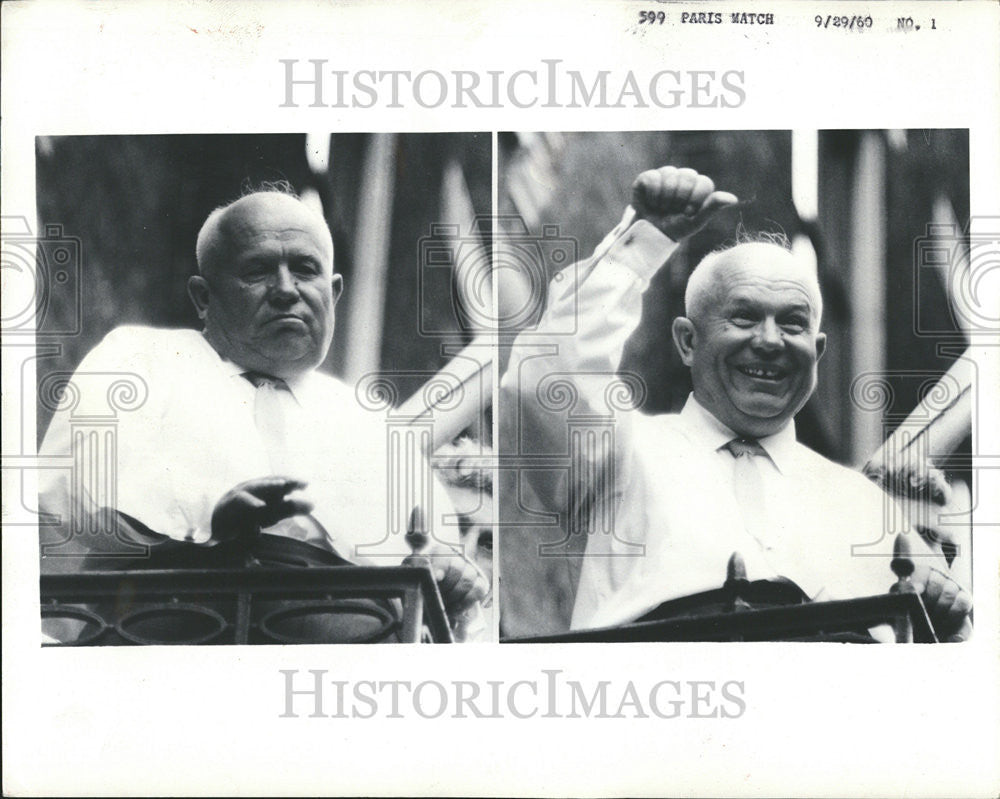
[735, 400]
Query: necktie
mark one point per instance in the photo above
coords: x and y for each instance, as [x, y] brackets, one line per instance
[273, 405]
[270, 414]
[748, 486]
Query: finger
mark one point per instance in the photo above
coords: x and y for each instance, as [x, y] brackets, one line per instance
[964, 633]
[470, 588]
[298, 496]
[452, 569]
[298, 506]
[458, 594]
[915, 480]
[700, 191]
[715, 202]
[480, 588]
[666, 196]
[274, 488]
[939, 489]
[646, 190]
[274, 512]
[447, 572]
[933, 587]
[686, 180]
[245, 502]
[643, 187]
[959, 611]
[941, 614]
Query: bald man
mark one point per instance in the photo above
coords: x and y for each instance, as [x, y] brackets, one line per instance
[661, 502]
[236, 432]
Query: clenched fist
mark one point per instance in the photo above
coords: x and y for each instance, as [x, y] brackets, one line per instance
[678, 202]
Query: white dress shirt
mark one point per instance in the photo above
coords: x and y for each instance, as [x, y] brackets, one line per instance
[194, 438]
[657, 500]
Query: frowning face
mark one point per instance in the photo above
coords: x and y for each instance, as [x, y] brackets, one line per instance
[268, 298]
[754, 343]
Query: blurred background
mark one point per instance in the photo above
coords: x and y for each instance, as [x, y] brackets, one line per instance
[864, 206]
[136, 203]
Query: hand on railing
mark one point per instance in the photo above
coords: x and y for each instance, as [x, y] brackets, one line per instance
[463, 586]
[249, 507]
[948, 604]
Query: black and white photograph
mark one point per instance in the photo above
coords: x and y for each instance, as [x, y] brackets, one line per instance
[749, 397]
[626, 365]
[209, 435]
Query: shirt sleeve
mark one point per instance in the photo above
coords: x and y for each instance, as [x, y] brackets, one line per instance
[113, 448]
[103, 412]
[566, 368]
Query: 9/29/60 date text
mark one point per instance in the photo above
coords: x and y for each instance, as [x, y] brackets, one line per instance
[849, 23]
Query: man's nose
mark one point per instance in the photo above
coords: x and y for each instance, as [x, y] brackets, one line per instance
[767, 336]
[283, 286]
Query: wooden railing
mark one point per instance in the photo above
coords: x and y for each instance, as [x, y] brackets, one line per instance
[260, 605]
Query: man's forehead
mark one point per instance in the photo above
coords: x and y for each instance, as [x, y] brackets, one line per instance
[751, 269]
[260, 216]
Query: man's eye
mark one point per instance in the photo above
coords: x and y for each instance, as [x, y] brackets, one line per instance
[794, 325]
[306, 268]
[743, 320]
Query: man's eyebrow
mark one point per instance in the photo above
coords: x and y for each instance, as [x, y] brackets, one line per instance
[741, 302]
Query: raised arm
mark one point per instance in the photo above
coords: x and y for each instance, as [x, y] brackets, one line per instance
[567, 365]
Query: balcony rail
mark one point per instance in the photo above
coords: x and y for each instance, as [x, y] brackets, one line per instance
[252, 605]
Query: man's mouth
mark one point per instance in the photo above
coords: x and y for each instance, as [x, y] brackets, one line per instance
[762, 372]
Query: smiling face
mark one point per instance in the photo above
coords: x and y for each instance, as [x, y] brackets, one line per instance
[267, 290]
[752, 340]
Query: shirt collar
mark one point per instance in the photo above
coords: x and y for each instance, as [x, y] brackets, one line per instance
[297, 385]
[780, 447]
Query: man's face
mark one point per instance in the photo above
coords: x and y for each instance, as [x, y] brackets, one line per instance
[754, 345]
[269, 297]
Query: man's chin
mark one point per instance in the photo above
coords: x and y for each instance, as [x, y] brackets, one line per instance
[763, 417]
[288, 362]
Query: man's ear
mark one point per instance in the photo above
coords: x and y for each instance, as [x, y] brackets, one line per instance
[198, 292]
[820, 345]
[684, 338]
[338, 287]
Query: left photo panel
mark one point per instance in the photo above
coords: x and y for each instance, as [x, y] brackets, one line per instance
[264, 379]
